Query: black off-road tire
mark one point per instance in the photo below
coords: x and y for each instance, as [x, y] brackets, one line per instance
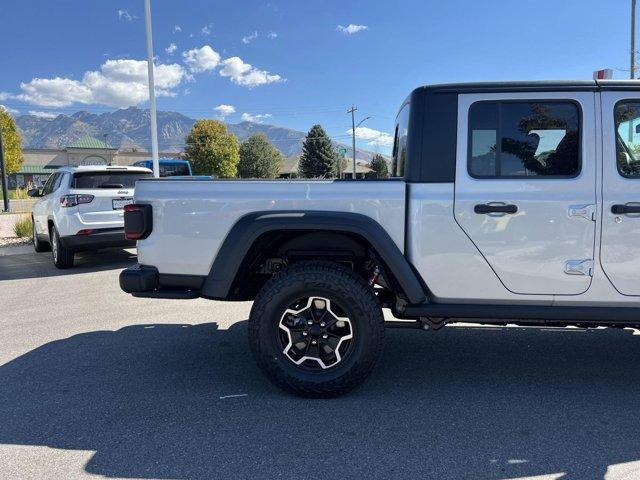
[338, 284]
[62, 256]
[38, 245]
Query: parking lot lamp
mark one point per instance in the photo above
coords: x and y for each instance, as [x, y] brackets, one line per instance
[152, 93]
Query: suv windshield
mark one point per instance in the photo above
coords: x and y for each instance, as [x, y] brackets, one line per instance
[108, 179]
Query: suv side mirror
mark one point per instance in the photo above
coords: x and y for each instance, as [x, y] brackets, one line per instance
[35, 192]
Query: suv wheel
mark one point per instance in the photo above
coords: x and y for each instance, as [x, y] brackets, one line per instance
[316, 329]
[62, 256]
[38, 245]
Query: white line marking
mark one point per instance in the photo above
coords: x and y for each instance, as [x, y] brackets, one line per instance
[235, 396]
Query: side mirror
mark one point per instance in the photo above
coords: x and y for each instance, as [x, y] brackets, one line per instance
[35, 192]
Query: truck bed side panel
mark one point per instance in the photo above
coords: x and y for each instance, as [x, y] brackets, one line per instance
[191, 219]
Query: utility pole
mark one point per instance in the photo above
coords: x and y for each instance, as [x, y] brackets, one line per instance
[5, 189]
[632, 73]
[152, 91]
[352, 111]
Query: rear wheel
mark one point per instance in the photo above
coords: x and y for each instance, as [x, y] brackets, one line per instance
[38, 245]
[316, 329]
[62, 256]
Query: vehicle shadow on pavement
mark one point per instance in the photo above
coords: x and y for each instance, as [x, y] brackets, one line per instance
[35, 265]
[161, 401]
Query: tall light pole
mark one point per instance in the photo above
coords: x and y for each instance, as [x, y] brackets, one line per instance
[632, 73]
[152, 91]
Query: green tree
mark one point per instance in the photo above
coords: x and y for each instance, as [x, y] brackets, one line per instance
[11, 142]
[379, 166]
[259, 158]
[212, 149]
[318, 158]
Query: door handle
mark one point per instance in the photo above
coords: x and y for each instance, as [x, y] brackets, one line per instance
[484, 208]
[620, 209]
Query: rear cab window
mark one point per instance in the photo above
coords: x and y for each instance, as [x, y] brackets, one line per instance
[399, 154]
[627, 124]
[524, 139]
[107, 179]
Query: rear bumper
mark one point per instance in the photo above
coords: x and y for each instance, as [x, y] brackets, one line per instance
[104, 238]
[145, 281]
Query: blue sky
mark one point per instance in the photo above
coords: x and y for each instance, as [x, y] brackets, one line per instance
[64, 56]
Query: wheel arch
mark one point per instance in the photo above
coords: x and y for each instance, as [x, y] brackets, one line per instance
[252, 232]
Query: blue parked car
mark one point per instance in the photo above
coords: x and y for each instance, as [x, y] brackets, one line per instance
[169, 167]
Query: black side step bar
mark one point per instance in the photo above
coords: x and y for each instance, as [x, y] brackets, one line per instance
[168, 293]
[600, 315]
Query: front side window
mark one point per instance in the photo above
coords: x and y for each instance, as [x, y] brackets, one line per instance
[524, 139]
[399, 160]
[627, 117]
[48, 186]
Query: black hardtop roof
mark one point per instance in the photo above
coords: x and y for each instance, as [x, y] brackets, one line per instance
[533, 86]
[525, 86]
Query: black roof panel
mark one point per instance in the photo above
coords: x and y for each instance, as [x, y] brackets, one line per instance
[533, 86]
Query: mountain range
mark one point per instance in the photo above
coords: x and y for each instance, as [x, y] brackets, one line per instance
[128, 129]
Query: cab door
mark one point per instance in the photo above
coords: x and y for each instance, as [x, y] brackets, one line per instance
[525, 190]
[620, 245]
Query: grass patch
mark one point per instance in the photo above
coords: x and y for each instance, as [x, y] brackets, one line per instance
[17, 194]
[23, 228]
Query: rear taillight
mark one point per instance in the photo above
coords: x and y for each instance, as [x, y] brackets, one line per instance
[73, 200]
[137, 221]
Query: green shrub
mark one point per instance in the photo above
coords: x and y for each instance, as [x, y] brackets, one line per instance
[23, 228]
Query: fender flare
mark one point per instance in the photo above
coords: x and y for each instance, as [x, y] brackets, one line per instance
[249, 228]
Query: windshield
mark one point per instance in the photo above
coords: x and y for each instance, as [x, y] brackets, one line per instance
[108, 179]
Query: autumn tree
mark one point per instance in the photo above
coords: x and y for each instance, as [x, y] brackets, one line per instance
[11, 142]
[212, 149]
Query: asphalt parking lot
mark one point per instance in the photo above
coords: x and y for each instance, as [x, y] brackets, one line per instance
[94, 382]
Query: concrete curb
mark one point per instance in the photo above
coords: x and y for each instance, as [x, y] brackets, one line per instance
[16, 249]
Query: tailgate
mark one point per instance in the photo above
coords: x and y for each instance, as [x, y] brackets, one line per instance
[111, 189]
[106, 206]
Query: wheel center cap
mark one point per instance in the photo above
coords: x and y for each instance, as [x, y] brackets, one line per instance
[315, 330]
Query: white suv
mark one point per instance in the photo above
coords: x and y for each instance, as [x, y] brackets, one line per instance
[82, 208]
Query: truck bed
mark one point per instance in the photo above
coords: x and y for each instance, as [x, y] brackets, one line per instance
[191, 218]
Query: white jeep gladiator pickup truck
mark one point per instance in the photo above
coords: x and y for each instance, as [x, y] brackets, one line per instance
[508, 203]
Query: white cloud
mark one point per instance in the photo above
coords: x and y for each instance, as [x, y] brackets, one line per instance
[47, 115]
[245, 75]
[13, 111]
[206, 30]
[224, 110]
[201, 59]
[4, 95]
[272, 35]
[118, 83]
[249, 38]
[125, 15]
[373, 137]
[177, 29]
[351, 28]
[54, 92]
[257, 118]
[171, 48]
